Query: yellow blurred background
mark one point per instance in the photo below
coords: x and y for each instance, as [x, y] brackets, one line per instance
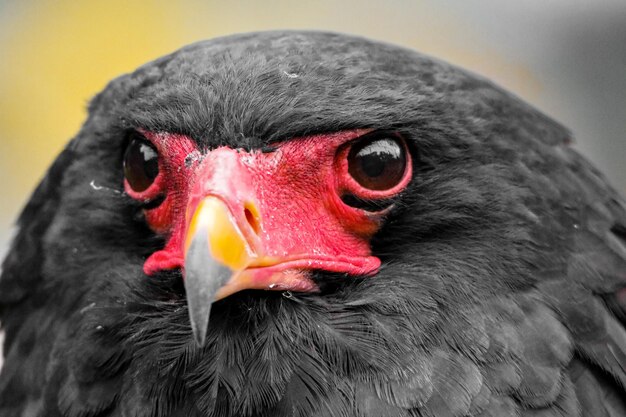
[568, 57]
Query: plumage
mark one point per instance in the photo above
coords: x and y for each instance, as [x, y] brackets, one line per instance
[501, 288]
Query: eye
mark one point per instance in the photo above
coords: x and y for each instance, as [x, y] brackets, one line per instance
[377, 163]
[141, 163]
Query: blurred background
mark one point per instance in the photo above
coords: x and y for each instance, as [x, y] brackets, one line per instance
[567, 57]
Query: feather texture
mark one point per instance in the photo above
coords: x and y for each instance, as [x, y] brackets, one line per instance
[504, 263]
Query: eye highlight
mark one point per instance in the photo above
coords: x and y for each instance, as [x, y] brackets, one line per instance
[141, 163]
[377, 163]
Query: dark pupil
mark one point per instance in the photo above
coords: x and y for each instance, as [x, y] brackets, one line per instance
[377, 164]
[141, 164]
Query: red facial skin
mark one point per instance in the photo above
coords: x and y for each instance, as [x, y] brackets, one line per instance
[301, 223]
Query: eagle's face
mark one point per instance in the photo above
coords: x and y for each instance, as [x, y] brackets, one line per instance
[346, 187]
[340, 223]
[236, 219]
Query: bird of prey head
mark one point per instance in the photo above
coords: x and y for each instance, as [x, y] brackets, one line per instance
[304, 223]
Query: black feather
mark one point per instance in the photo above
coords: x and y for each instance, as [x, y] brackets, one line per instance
[504, 263]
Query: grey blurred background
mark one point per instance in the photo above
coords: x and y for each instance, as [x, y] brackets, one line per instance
[568, 57]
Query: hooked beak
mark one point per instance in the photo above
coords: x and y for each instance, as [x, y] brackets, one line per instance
[216, 254]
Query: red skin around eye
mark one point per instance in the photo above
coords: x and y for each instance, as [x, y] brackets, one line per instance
[297, 189]
[178, 156]
[348, 184]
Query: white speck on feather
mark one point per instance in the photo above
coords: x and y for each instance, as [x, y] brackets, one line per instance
[97, 187]
[291, 74]
[86, 308]
[94, 186]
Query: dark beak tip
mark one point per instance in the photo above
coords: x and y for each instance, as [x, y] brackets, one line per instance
[199, 313]
[199, 336]
[204, 276]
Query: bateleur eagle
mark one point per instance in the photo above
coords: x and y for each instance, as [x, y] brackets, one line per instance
[314, 224]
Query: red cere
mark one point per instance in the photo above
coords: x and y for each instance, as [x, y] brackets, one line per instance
[297, 189]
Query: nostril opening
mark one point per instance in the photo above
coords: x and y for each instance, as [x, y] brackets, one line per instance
[252, 219]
